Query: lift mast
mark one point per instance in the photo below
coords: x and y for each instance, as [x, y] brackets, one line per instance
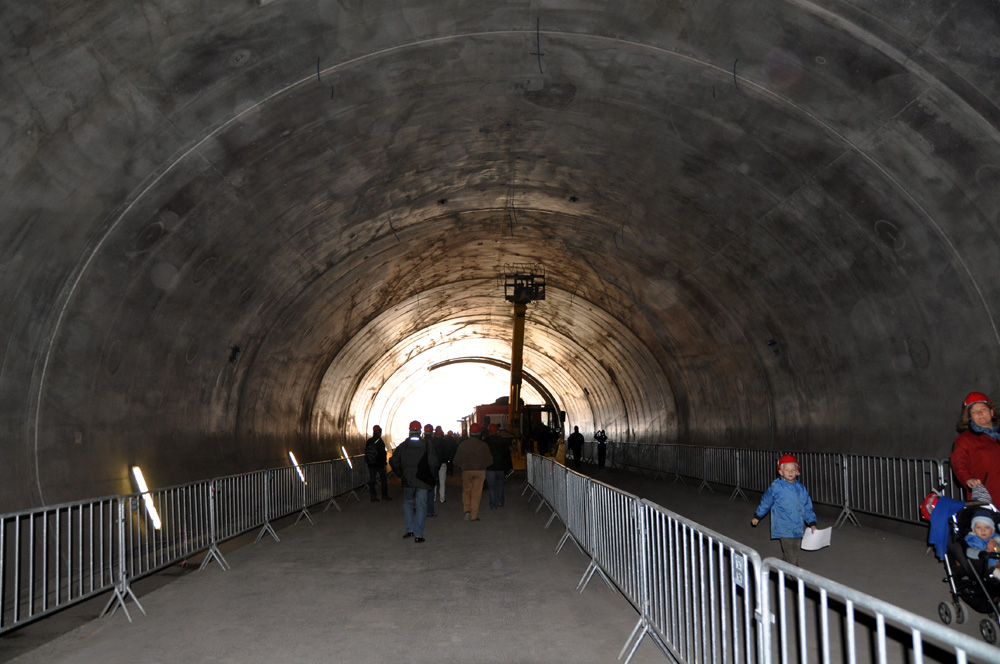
[522, 284]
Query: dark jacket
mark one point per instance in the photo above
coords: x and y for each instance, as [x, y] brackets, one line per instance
[499, 445]
[380, 461]
[406, 458]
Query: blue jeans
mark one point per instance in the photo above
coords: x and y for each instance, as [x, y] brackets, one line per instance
[494, 480]
[415, 510]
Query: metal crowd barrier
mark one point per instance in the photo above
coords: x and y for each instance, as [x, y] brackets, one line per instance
[703, 597]
[811, 618]
[56, 556]
[702, 590]
[616, 551]
[889, 487]
[949, 483]
[184, 531]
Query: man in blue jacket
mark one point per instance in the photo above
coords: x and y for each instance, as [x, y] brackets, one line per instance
[791, 509]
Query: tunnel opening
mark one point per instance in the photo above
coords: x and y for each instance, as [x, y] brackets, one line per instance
[444, 397]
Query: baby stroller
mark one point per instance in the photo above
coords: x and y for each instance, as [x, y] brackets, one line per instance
[970, 579]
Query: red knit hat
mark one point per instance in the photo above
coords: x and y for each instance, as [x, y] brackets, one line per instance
[788, 458]
[414, 426]
[428, 428]
[494, 428]
[376, 429]
[438, 431]
[475, 428]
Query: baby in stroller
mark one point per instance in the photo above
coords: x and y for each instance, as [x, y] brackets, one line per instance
[969, 547]
[982, 538]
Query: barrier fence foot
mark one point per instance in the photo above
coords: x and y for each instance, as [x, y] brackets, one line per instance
[352, 493]
[332, 501]
[704, 485]
[121, 592]
[552, 518]
[214, 553]
[267, 529]
[304, 513]
[635, 638]
[540, 505]
[568, 536]
[589, 573]
[846, 515]
[739, 492]
[678, 478]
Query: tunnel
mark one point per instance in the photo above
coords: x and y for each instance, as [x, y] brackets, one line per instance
[233, 229]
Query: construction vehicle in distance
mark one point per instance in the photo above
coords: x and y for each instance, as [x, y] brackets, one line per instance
[539, 427]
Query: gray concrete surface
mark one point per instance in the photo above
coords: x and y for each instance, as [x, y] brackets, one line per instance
[351, 590]
[232, 228]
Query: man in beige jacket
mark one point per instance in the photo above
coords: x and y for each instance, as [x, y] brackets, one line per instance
[473, 456]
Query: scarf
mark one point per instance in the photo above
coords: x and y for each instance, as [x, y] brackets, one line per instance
[992, 432]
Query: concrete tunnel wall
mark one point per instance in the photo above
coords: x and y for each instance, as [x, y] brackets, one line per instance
[225, 226]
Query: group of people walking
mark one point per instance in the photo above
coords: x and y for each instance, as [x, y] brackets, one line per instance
[484, 457]
[422, 463]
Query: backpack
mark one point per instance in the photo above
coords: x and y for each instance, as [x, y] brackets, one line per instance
[371, 452]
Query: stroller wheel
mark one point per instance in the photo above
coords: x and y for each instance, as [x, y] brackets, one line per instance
[959, 614]
[944, 613]
[988, 630]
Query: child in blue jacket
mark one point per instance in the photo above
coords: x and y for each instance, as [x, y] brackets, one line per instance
[791, 509]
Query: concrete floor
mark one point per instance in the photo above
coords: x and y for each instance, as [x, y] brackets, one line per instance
[350, 589]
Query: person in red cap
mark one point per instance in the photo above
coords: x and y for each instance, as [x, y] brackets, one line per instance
[472, 458]
[975, 456]
[499, 443]
[416, 465]
[432, 444]
[445, 455]
[375, 459]
[791, 509]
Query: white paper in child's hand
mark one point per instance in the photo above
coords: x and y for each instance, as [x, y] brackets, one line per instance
[812, 541]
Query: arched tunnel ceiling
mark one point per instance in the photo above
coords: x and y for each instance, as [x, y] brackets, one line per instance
[768, 223]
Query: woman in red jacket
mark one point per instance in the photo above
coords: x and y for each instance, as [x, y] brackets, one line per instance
[975, 458]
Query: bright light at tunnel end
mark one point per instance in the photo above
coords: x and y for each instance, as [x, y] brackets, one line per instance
[148, 499]
[448, 394]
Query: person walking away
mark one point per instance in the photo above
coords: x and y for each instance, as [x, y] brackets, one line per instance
[602, 447]
[791, 509]
[429, 438]
[499, 445]
[575, 444]
[472, 457]
[445, 455]
[375, 459]
[416, 464]
[975, 456]
[451, 442]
